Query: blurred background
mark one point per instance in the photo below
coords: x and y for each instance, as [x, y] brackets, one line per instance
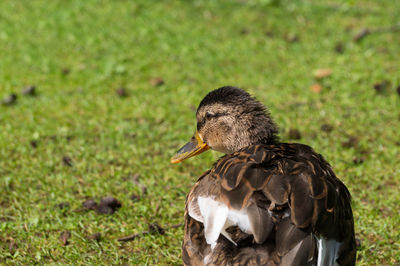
[96, 96]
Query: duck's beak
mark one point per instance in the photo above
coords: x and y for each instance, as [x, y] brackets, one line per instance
[194, 147]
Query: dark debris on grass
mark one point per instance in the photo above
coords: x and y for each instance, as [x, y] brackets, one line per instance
[269, 34]
[63, 205]
[67, 161]
[157, 81]
[351, 142]
[29, 90]
[95, 237]
[11, 245]
[34, 143]
[65, 71]
[111, 202]
[339, 48]
[244, 31]
[364, 32]
[121, 92]
[134, 197]
[382, 86]
[361, 34]
[89, 204]
[294, 134]
[9, 99]
[108, 205]
[358, 160]
[326, 128]
[64, 237]
[135, 180]
[12, 98]
[358, 243]
[291, 37]
[154, 228]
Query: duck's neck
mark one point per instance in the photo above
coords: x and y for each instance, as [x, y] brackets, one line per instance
[256, 140]
[274, 139]
[253, 130]
[263, 133]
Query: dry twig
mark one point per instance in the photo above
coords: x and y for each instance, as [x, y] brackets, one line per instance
[153, 229]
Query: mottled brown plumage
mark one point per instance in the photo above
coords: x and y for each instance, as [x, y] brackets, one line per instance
[288, 194]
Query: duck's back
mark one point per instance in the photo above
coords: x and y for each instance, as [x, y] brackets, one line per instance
[269, 204]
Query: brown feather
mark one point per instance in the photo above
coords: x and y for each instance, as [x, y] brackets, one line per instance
[260, 220]
[271, 181]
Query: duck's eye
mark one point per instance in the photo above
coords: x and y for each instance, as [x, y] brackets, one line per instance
[209, 115]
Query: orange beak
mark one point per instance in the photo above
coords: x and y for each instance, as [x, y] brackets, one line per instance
[194, 147]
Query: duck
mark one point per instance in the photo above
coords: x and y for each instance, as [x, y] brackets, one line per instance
[265, 202]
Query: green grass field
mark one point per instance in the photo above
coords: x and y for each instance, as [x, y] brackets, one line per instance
[78, 139]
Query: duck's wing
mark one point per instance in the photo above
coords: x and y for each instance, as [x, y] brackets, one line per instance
[290, 181]
[194, 246]
[293, 246]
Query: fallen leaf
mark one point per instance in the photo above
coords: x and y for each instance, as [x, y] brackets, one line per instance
[316, 88]
[322, 73]
[157, 81]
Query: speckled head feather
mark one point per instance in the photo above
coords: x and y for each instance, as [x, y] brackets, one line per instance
[229, 119]
[230, 95]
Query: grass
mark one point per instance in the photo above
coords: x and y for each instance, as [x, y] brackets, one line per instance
[78, 52]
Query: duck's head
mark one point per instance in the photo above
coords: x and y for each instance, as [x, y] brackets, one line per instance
[228, 119]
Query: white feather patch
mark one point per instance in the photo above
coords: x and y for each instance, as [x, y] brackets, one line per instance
[214, 216]
[328, 251]
[241, 219]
